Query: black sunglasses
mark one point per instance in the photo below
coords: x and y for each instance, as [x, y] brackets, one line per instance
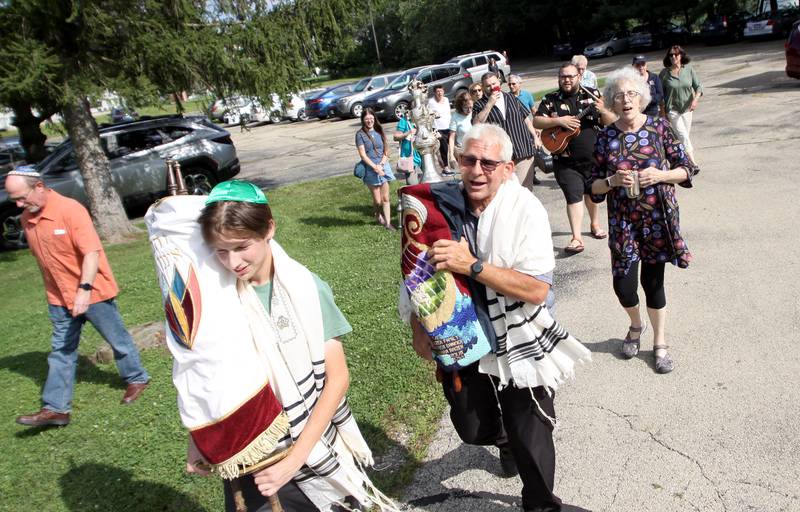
[486, 165]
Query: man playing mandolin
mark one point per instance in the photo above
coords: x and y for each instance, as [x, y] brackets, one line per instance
[570, 118]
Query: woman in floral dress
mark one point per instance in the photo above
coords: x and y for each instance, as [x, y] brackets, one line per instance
[644, 230]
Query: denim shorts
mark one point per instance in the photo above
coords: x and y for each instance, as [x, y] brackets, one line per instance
[372, 179]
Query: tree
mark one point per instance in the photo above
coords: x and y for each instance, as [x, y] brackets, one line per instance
[144, 48]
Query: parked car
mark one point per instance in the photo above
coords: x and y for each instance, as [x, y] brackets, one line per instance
[123, 115]
[12, 154]
[137, 152]
[656, 36]
[608, 44]
[352, 104]
[477, 63]
[564, 49]
[721, 28]
[395, 100]
[323, 104]
[771, 26]
[793, 51]
[293, 109]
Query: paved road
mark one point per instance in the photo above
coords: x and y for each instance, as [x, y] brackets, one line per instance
[720, 432]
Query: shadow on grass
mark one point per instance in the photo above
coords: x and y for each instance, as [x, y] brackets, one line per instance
[11, 255]
[394, 464]
[33, 365]
[328, 222]
[362, 209]
[96, 486]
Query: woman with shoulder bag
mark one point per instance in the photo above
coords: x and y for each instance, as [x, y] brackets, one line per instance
[373, 151]
[460, 123]
[410, 160]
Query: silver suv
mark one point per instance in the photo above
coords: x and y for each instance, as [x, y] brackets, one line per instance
[478, 63]
[137, 152]
[352, 104]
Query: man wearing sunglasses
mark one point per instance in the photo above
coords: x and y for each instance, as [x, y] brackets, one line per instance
[507, 253]
[573, 106]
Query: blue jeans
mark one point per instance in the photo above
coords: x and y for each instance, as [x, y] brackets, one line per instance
[63, 358]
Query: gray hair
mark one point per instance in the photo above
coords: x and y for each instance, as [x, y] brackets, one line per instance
[628, 74]
[579, 59]
[514, 77]
[491, 133]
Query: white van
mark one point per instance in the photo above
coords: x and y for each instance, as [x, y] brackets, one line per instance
[478, 63]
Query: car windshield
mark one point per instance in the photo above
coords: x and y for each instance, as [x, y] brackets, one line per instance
[361, 85]
[401, 81]
[605, 37]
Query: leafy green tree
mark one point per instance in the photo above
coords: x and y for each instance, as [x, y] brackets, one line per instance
[144, 48]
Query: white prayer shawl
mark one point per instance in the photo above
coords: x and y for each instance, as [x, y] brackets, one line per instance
[533, 349]
[232, 349]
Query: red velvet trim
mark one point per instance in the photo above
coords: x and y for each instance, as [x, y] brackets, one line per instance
[220, 441]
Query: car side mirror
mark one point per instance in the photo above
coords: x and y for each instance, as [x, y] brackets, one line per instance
[369, 87]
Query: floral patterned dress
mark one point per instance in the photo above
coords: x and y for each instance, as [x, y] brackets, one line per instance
[646, 228]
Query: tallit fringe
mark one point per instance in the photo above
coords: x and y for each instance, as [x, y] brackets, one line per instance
[383, 502]
[260, 448]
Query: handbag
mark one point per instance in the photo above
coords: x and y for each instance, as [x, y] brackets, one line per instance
[543, 160]
[360, 170]
[405, 163]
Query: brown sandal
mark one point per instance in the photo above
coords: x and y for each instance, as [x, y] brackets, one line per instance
[574, 248]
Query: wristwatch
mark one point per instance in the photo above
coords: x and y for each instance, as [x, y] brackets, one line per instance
[85, 286]
[608, 182]
[476, 268]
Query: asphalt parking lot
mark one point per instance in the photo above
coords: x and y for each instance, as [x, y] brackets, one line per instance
[720, 432]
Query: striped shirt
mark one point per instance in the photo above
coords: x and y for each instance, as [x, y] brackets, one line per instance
[513, 123]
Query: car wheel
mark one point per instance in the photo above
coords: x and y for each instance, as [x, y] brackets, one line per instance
[609, 52]
[400, 109]
[301, 115]
[199, 182]
[356, 110]
[275, 117]
[12, 237]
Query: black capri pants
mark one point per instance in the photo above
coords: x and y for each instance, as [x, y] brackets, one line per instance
[652, 279]
[572, 176]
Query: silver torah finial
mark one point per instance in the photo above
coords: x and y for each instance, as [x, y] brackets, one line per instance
[426, 141]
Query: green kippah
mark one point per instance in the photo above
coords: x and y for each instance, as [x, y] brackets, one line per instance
[237, 190]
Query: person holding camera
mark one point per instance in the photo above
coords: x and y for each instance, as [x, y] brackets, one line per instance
[507, 111]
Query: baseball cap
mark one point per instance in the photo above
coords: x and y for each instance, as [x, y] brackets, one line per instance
[639, 59]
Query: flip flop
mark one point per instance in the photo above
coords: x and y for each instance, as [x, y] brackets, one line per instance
[598, 233]
[574, 248]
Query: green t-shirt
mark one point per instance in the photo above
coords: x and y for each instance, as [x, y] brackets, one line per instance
[334, 324]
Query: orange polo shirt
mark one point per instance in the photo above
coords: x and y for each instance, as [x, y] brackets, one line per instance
[59, 235]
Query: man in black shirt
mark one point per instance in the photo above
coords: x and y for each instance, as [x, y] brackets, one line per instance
[570, 107]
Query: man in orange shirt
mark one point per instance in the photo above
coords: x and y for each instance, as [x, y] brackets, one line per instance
[80, 287]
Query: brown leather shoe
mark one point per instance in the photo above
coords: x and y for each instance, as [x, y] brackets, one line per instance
[43, 418]
[133, 391]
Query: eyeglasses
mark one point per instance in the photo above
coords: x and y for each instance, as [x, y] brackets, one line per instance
[631, 95]
[21, 199]
[513, 83]
[486, 165]
[565, 77]
[475, 91]
[674, 54]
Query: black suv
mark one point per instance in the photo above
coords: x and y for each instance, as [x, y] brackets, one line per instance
[136, 152]
[395, 100]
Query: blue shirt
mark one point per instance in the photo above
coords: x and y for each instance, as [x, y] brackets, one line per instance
[373, 144]
[405, 145]
[527, 99]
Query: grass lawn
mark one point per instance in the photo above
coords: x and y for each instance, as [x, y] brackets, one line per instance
[131, 458]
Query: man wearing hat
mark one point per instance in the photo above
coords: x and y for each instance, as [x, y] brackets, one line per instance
[79, 286]
[656, 106]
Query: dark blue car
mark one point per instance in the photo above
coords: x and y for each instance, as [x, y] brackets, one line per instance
[323, 104]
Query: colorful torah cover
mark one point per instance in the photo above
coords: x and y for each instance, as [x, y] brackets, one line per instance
[441, 300]
[529, 348]
[235, 365]
[224, 396]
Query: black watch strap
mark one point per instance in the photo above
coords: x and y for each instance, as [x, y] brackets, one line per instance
[85, 286]
[476, 268]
